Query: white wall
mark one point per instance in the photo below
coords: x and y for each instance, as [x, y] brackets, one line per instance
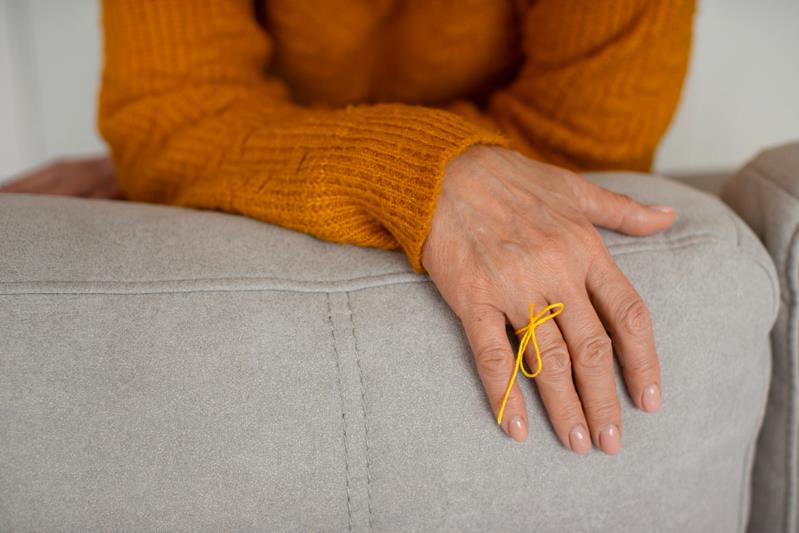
[742, 92]
[49, 61]
[13, 149]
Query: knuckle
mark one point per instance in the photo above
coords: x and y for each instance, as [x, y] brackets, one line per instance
[512, 251]
[625, 199]
[570, 411]
[585, 192]
[635, 317]
[591, 240]
[514, 405]
[556, 361]
[492, 362]
[596, 352]
[643, 366]
[603, 410]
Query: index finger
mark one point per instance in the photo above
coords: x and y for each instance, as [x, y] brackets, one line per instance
[495, 361]
[627, 317]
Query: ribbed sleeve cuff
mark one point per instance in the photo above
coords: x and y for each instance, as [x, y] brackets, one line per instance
[395, 157]
[367, 175]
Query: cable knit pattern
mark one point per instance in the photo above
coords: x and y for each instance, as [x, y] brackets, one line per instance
[337, 118]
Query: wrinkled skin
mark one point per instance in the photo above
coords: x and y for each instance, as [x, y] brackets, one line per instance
[508, 231]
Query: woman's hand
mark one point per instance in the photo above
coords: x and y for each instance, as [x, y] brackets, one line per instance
[91, 177]
[508, 231]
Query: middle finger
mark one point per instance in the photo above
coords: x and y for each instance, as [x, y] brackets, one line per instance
[555, 383]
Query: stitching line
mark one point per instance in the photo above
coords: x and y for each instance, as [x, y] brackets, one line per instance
[343, 414]
[753, 254]
[291, 285]
[237, 285]
[256, 279]
[363, 407]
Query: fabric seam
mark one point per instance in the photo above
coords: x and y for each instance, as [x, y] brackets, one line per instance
[363, 406]
[343, 414]
[140, 287]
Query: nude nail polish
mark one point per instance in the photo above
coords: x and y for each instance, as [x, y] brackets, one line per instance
[650, 398]
[610, 439]
[579, 441]
[517, 428]
[662, 208]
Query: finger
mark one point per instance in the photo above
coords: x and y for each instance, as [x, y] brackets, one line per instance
[34, 182]
[89, 178]
[108, 189]
[99, 166]
[75, 179]
[621, 213]
[630, 325]
[485, 330]
[555, 382]
[592, 359]
[66, 178]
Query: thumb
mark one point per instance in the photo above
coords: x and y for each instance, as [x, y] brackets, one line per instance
[621, 213]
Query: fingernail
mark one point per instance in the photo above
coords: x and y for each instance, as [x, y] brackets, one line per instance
[662, 208]
[517, 428]
[650, 398]
[579, 441]
[610, 440]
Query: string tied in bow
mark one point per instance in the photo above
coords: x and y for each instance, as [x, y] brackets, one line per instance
[549, 312]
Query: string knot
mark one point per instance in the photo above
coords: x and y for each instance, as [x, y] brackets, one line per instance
[549, 312]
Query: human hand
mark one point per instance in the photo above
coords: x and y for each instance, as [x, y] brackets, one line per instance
[91, 177]
[509, 231]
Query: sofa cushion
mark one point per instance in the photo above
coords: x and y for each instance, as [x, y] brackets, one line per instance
[766, 194]
[173, 369]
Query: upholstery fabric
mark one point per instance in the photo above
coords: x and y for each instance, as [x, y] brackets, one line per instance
[766, 194]
[164, 368]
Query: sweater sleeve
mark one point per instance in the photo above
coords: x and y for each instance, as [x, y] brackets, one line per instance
[599, 84]
[193, 119]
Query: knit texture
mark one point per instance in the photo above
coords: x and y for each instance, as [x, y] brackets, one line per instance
[338, 118]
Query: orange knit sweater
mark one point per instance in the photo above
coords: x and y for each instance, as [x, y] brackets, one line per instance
[337, 118]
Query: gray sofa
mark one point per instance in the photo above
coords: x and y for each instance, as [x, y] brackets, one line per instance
[179, 370]
[766, 195]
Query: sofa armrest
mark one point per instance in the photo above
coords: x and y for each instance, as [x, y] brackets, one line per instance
[765, 193]
[182, 370]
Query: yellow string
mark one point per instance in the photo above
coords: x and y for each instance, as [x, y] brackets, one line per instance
[529, 333]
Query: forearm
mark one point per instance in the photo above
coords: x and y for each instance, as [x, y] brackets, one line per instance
[365, 175]
[192, 120]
